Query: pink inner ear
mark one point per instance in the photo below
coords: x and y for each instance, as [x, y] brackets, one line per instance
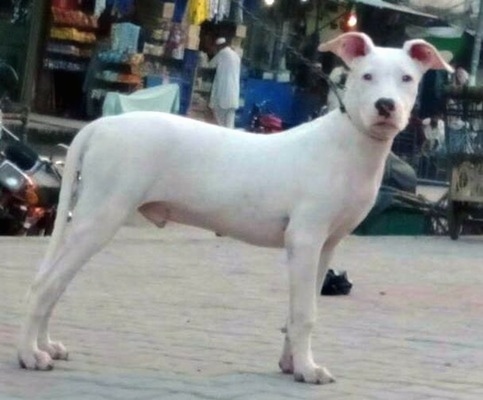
[355, 47]
[421, 53]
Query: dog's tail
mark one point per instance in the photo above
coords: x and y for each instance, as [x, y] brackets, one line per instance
[70, 179]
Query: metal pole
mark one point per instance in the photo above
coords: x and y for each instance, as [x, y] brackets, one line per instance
[37, 21]
[475, 59]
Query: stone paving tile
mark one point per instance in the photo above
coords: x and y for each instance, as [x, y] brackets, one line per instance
[182, 314]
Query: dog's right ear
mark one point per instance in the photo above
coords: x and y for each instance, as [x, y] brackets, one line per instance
[349, 46]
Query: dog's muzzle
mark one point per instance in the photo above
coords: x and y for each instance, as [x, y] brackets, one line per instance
[385, 107]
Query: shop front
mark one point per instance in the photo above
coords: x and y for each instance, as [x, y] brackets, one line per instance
[93, 50]
[96, 50]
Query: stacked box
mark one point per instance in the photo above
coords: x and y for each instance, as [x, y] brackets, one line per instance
[125, 37]
[192, 37]
[168, 10]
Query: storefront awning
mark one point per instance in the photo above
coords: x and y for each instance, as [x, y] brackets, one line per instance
[395, 7]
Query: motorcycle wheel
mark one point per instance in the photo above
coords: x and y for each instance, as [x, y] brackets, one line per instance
[455, 220]
[49, 224]
[9, 227]
[44, 227]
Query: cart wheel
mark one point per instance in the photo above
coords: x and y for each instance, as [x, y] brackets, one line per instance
[455, 220]
[49, 223]
[439, 217]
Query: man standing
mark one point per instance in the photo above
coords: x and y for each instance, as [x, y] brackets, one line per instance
[225, 92]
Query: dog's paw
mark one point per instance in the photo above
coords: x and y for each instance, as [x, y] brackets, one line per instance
[313, 374]
[36, 360]
[56, 350]
[286, 364]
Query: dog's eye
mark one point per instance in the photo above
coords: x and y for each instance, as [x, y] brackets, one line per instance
[407, 78]
[367, 77]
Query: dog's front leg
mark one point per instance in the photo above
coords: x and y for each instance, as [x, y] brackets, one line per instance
[303, 249]
[286, 360]
[326, 254]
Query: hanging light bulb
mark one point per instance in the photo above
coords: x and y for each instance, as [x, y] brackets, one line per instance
[269, 2]
[349, 22]
[352, 20]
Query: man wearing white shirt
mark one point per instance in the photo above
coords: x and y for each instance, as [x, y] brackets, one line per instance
[225, 92]
[434, 130]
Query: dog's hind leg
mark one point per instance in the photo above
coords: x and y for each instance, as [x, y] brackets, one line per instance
[90, 230]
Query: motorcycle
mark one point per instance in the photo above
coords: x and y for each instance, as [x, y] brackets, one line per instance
[264, 121]
[29, 188]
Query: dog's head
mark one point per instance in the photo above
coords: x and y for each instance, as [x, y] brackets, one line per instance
[383, 82]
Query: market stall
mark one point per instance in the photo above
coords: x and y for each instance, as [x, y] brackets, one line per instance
[95, 48]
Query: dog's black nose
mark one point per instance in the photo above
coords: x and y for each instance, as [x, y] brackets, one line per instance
[385, 107]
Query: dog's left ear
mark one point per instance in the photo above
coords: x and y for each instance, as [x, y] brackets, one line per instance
[349, 46]
[426, 55]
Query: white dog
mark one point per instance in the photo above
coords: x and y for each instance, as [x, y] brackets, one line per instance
[303, 189]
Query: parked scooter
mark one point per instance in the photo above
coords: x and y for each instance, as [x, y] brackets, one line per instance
[29, 188]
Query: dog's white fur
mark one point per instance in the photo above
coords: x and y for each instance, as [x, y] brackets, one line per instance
[303, 189]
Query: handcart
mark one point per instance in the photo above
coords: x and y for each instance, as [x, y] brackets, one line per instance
[399, 212]
[464, 143]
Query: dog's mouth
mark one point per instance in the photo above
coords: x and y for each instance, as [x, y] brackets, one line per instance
[386, 125]
[383, 130]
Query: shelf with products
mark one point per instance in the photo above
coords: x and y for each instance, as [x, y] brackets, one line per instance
[119, 71]
[122, 75]
[180, 72]
[72, 35]
[157, 38]
[60, 49]
[81, 28]
[74, 18]
[121, 84]
[167, 46]
[63, 55]
[64, 65]
[68, 47]
[164, 60]
[112, 59]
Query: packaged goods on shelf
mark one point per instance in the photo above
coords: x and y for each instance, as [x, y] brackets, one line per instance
[63, 65]
[192, 37]
[125, 37]
[153, 49]
[72, 34]
[136, 59]
[67, 49]
[192, 43]
[74, 18]
[111, 76]
[168, 10]
[98, 93]
[118, 57]
[175, 45]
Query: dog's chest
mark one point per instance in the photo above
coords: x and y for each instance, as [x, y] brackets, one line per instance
[356, 195]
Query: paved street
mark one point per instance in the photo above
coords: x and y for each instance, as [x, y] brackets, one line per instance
[180, 314]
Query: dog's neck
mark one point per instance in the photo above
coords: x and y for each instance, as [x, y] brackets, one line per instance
[358, 141]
